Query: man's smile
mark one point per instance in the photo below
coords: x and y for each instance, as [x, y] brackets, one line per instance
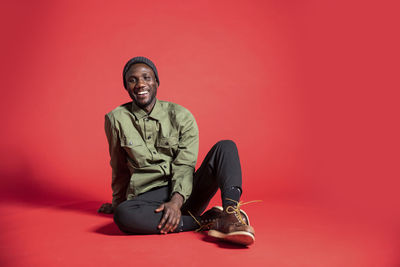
[142, 93]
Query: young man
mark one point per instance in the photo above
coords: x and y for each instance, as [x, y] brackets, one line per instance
[153, 146]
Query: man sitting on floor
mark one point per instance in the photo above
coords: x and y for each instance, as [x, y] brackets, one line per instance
[153, 146]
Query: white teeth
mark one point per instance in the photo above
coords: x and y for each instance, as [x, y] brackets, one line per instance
[142, 93]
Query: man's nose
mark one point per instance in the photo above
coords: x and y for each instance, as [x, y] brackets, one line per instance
[140, 83]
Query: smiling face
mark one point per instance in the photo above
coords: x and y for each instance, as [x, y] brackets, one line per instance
[142, 86]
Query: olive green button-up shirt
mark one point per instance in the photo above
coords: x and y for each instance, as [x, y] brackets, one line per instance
[151, 150]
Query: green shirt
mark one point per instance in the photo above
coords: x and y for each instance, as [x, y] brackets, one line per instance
[151, 150]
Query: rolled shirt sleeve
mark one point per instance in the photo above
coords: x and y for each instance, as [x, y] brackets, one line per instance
[120, 172]
[183, 165]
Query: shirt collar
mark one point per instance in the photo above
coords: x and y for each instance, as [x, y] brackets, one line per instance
[156, 113]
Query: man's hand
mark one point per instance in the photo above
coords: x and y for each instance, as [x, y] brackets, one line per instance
[172, 214]
[106, 208]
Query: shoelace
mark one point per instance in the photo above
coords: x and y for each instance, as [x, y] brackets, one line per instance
[230, 210]
[202, 226]
[236, 210]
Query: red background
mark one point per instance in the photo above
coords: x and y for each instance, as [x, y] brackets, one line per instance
[307, 89]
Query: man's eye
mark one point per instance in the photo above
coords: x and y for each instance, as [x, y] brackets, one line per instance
[132, 80]
[147, 78]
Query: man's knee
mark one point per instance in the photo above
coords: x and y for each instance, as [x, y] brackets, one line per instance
[135, 219]
[227, 145]
[123, 217]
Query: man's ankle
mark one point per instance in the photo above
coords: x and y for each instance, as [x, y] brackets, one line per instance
[231, 196]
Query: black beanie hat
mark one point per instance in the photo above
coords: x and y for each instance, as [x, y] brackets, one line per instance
[136, 60]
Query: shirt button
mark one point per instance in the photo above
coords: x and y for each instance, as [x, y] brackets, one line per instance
[154, 152]
[147, 119]
[149, 137]
[165, 166]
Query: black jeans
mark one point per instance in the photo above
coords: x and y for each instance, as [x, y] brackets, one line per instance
[220, 169]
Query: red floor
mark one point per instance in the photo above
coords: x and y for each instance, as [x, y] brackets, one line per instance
[287, 234]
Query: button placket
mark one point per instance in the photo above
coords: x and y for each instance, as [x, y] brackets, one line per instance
[148, 129]
[154, 153]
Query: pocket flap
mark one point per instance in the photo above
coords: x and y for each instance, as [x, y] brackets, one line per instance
[167, 141]
[130, 142]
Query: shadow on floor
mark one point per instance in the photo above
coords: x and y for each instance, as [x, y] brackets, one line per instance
[21, 185]
[109, 229]
[221, 244]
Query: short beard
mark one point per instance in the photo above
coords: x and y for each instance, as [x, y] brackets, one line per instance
[142, 106]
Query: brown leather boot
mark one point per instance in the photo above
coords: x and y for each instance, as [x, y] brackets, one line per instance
[233, 225]
[208, 219]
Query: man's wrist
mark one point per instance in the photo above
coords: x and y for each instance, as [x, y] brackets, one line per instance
[177, 199]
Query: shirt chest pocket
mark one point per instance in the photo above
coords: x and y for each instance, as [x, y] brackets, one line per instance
[135, 150]
[168, 145]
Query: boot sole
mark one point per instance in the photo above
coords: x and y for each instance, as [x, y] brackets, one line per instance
[239, 237]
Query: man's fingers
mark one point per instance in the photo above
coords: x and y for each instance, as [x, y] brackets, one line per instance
[175, 224]
[160, 208]
[167, 225]
[170, 219]
[171, 223]
[105, 208]
[177, 220]
[101, 209]
[168, 222]
[163, 220]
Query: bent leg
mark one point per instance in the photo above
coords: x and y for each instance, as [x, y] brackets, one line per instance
[220, 169]
[137, 216]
